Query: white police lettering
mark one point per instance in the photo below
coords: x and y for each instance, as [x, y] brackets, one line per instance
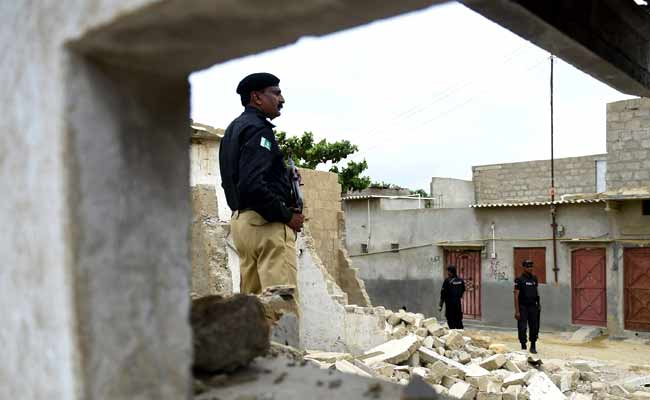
[529, 283]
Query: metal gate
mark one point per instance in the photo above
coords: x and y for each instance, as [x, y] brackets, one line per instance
[468, 264]
[636, 263]
[588, 283]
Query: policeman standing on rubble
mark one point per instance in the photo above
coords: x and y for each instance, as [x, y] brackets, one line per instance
[256, 183]
[452, 292]
[527, 306]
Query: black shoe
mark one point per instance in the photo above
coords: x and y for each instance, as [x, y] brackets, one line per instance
[532, 348]
[523, 346]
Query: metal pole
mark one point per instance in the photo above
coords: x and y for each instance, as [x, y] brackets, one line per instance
[553, 209]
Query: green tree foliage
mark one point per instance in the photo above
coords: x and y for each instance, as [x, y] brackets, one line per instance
[309, 154]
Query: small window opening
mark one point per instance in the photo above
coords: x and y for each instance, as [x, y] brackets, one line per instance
[364, 248]
[645, 207]
[394, 247]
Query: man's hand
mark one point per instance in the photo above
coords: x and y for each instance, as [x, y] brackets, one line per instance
[296, 221]
[517, 316]
[440, 307]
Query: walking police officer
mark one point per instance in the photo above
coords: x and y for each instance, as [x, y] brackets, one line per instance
[527, 306]
[452, 292]
[258, 190]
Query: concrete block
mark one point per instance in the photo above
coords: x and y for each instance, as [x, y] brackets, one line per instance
[511, 366]
[453, 371]
[349, 368]
[327, 356]
[494, 362]
[464, 357]
[399, 332]
[429, 322]
[428, 342]
[639, 395]
[540, 387]
[441, 390]
[480, 382]
[228, 332]
[512, 392]
[430, 356]
[552, 365]
[453, 340]
[421, 332]
[394, 351]
[489, 396]
[449, 381]
[516, 379]
[568, 380]
[394, 318]
[383, 369]
[414, 359]
[420, 371]
[419, 319]
[462, 391]
[437, 330]
[409, 318]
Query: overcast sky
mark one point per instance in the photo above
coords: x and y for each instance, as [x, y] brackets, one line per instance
[425, 94]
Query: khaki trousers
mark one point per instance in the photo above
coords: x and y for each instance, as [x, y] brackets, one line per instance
[267, 252]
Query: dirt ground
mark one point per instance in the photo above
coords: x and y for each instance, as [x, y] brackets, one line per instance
[624, 358]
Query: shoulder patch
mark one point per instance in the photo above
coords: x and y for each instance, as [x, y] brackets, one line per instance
[266, 143]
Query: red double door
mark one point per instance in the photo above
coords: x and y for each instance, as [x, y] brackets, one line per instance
[636, 264]
[468, 266]
[589, 283]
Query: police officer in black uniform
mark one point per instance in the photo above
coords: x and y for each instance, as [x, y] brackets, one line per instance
[527, 306]
[258, 190]
[452, 292]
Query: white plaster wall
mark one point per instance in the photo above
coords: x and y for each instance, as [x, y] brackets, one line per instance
[322, 319]
[364, 329]
[455, 193]
[38, 336]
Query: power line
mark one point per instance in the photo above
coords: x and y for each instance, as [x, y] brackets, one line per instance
[445, 93]
[454, 108]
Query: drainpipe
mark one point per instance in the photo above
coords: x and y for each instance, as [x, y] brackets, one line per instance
[554, 228]
[368, 225]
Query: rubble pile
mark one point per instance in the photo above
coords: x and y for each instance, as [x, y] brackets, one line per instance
[460, 365]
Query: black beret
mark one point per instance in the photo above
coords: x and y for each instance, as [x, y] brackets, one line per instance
[257, 81]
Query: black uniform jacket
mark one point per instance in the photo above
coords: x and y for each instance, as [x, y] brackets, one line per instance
[452, 290]
[253, 172]
[527, 286]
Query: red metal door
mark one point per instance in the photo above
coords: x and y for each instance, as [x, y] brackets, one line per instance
[468, 265]
[588, 281]
[637, 288]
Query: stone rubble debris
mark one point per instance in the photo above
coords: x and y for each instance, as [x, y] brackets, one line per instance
[464, 365]
[229, 332]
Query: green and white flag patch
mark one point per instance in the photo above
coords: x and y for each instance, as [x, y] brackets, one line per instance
[266, 143]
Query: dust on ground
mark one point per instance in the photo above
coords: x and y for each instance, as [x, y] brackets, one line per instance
[624, 358]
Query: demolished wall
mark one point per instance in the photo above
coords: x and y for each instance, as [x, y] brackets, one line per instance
[322, 193]
[327, 321]
[210, 271]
